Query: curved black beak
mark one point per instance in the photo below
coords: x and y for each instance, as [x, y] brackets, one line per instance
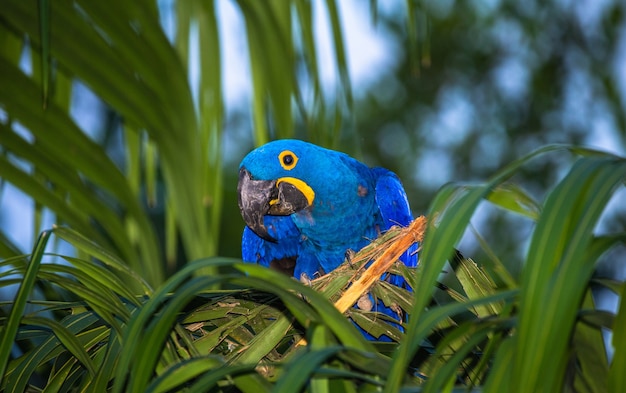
[254, 198]
[258, 198]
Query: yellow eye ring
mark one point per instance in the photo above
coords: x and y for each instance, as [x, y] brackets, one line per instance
[287, 159]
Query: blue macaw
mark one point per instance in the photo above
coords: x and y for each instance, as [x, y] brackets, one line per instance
[306, 206]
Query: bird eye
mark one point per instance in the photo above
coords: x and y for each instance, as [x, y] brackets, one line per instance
[288, 159]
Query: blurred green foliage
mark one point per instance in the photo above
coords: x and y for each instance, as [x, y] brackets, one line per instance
[475, 84]
[468, 87]
[495, 80]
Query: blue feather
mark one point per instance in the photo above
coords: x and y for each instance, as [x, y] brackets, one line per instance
[351, 204]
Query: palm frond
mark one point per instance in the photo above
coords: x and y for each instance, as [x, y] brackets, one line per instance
[263, 330]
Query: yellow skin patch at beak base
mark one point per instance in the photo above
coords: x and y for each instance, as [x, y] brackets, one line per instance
[304, 188]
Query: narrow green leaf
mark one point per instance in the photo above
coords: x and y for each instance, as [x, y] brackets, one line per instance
[44, 33]
[257, 46]
[617, 377]
[558, 269]
[102, 304]
[106, 371]
[62, 90]
[512, 197]
[447, 374]
[9, 329]
[146, 338]
[105, 278]
[209, 341]
[477, 284]
[42, 194]
[106, 256]
[280, 69]
[340, 51]
[392, 295]
[341, 379]
[615, 286]
[264, 342]
[68, 144]
[500, 375]
[275, 282]
[184, 17]
[242, 376]
[132, 141]
[301, 369]
[305, 19]
[10, 44]
[376, 324]
[76, 375]
[496, 264]
[442, 234]
[150, 171]
[141, 103]
[412, 28]
[8, 249]
[66, 181]
[58, 135]
[436, 315]
[590, 364]
[183, 373]
[171, 234]
[57, 379]
[153, 333]
[211, 118]
[67, 339]
[18, 377]
[450, 213]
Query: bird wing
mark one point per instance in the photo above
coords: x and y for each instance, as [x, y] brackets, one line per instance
[391, 199]
[394, 209]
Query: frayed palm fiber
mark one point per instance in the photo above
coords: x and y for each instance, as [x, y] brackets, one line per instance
[353, 274]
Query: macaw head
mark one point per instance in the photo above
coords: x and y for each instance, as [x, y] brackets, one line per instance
[288, 177]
